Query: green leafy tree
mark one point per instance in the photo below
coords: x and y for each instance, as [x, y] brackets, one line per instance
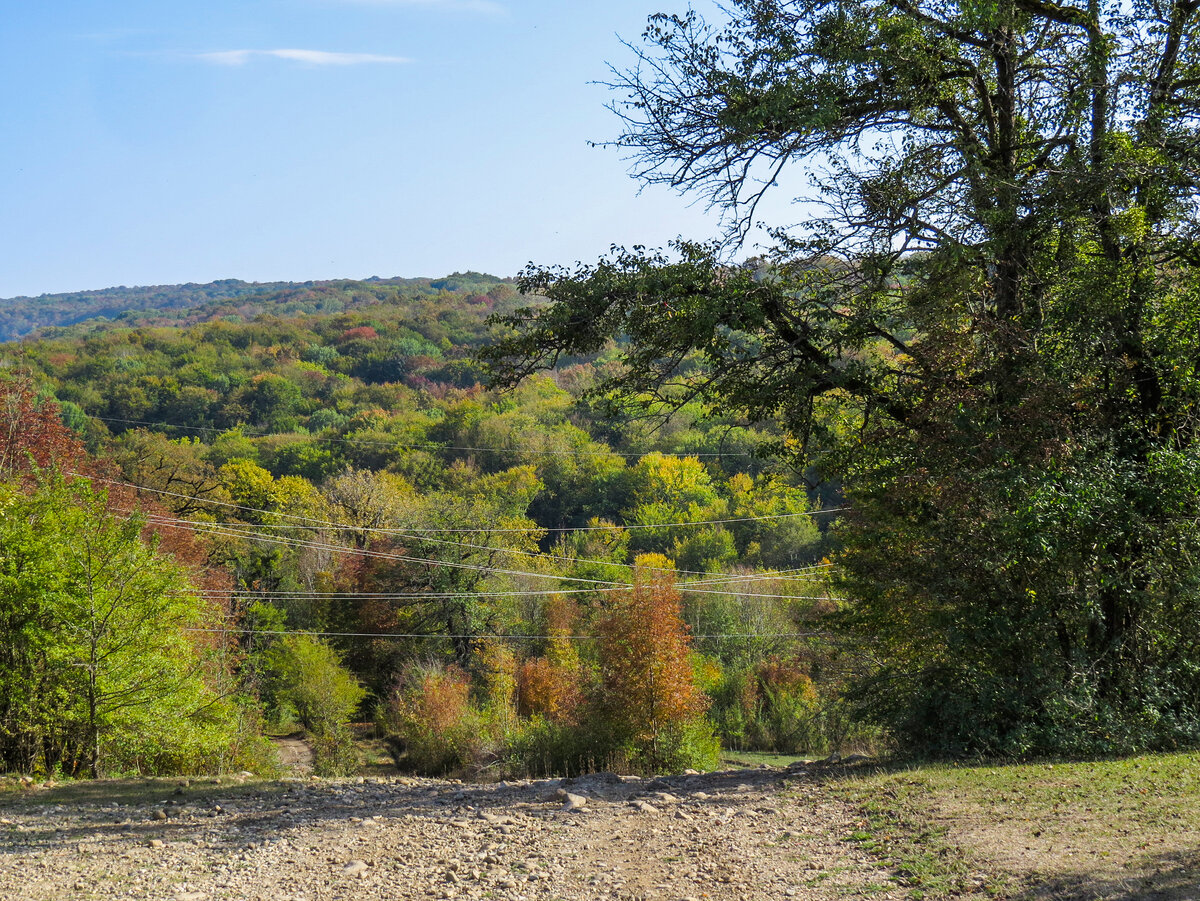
[776, 530]
[310, 460]
[273, 402]
[305, 673]
[667, 491]
[986, 329]
[286, 557]
[98, 661]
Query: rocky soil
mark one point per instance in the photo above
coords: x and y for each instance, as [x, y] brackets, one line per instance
[743, 834]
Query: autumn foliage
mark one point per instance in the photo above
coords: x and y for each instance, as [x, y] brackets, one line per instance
[551, 685]
[650, 694]
[362, 332]
[442, 697]
[431, 715]
[414, 525]
[32, 436]
[549, 689]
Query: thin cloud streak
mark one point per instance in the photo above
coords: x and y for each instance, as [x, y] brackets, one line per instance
[308, 57]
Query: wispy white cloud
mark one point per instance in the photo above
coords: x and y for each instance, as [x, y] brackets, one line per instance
[309, 57]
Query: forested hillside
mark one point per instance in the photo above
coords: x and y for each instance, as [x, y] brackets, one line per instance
[343, 524]
[184, 304]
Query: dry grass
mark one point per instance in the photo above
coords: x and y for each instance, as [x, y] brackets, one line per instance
[132, 790]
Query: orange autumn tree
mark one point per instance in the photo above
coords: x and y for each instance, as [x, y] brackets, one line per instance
[650, 696]
[32, 435]
[551, 686]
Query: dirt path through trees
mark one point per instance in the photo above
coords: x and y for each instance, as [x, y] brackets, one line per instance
[295, 755]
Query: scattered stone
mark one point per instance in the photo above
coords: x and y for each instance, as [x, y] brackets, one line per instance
[573, 802]
[417, 837]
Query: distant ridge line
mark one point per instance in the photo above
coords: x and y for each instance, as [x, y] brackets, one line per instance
[24, 315]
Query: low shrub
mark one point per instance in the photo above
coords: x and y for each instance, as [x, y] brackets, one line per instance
[431, 720]
[334, 752]
[306, 677]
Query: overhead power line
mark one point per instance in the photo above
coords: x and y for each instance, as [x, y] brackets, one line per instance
[308, 522]
[218, 529]
[703, 586]
[239, 531]
[536, 555]
[706, 585]
[481, 637]
[389, 595]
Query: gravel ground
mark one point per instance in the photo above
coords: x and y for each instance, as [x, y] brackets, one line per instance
[743, 834]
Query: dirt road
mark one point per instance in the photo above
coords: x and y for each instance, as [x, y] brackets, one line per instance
[744, 834]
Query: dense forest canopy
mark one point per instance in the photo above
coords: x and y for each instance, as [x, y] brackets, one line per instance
[356, 528]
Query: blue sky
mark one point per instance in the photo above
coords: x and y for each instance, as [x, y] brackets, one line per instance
[152, 142]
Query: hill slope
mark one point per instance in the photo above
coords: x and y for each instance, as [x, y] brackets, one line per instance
[190, 303]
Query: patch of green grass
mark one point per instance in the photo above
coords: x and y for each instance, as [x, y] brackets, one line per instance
[897, 830]
[1008, 830]
[758, 758]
